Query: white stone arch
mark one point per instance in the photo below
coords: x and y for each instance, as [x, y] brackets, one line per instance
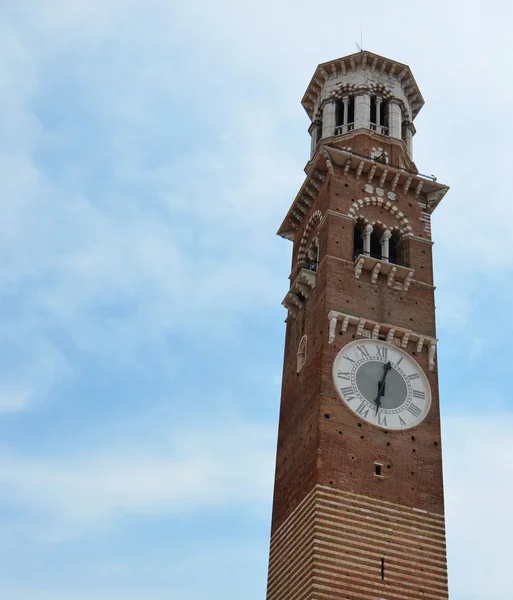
[308, 229]
[301, 354]
[387, 205]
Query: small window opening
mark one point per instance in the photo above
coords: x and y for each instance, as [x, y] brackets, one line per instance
[350, 111]
[301, 354]
[344, 115]
[373, 111]
[377, 469]
[375, 244]
[382, 569]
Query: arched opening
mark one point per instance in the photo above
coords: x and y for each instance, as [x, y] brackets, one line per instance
[301, 354]
[375, 241]
[379, 109]
[358, 238]
[344, 115]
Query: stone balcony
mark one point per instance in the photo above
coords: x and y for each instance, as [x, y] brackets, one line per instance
[398, 276]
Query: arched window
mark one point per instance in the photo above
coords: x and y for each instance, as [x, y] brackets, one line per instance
[301, 354]
[375, 241]
[379, 115]
[358, 238]
[344, 115]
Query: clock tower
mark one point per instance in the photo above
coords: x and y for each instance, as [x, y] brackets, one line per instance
[358, 510]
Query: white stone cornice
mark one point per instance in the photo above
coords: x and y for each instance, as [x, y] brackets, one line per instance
[431, 192]
[395, 335]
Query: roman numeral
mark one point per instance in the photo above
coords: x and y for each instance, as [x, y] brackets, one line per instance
[414, 376]
[348, 358]
[418, 394]
[414, 410]
[363, 410]
[382, 352]
[363, 350]
[348, 393]
[401, 421]
[400, 361]
[342, 375]
[382, 422]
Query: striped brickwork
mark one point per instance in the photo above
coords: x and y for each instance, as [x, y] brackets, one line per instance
[343, 546]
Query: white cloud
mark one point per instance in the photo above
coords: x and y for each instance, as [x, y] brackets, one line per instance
[228, 464]
[478, 484]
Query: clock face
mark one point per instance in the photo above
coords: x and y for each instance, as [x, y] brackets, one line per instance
[382, 384]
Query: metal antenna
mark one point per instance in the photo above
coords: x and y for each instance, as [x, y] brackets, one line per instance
[360, 45]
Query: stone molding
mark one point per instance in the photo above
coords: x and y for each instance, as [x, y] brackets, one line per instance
[372, 329]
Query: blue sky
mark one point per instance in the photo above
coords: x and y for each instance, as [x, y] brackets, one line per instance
[149, 153]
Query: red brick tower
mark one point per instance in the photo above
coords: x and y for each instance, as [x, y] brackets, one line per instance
[358, 508]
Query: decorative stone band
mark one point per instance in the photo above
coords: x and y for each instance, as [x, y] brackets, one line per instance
[398, 277]
[328, 158]
[399, 336]
[338, 544]
[317, 216]
[384, 203]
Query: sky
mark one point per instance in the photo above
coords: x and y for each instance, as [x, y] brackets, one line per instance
[149, 151]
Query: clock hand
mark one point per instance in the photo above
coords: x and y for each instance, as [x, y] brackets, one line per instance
[381, 385]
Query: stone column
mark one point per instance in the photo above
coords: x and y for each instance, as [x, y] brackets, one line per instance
[345, 115]
[362, 111]
[328, 119]
[395, 120]
[385, 245]
[409, 139]
[378, 115]
[366, 237]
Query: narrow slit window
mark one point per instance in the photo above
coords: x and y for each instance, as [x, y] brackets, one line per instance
[377, 469]
[382, 569]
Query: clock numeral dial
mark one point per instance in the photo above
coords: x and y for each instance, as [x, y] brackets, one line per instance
[381, 384]
[348, 393]
[363, 410]
[414, 410]
[382, 351]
